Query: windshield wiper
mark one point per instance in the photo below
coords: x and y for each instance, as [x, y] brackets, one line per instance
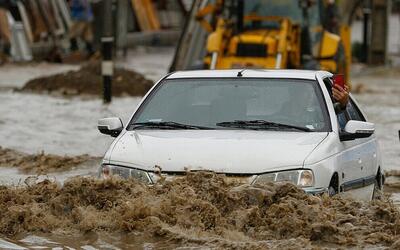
[260, 124]
[165, 125]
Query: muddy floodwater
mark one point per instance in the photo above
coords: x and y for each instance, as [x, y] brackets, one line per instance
[196, 210]
[50, 145]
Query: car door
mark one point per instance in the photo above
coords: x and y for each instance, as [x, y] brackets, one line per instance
[349, 160]
[368, 146]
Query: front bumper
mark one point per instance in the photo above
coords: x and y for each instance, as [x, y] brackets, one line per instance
[316, 191]
[152, 178]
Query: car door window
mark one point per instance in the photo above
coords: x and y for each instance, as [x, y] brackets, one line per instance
[343, 117]
[354, 112]
[328, 85]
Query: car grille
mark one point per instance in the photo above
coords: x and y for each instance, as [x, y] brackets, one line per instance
[123, 172]
[251, 50]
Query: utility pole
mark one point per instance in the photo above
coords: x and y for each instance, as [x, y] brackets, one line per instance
[379, 31]
[366, 28]
[107, 41]
[122, 25]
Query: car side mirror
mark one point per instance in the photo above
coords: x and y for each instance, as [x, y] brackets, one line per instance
[356, 130]
[110, 126]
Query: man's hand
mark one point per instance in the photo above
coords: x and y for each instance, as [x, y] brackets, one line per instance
[341, 95]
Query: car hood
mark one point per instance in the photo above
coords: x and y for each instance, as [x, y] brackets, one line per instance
[223, 151]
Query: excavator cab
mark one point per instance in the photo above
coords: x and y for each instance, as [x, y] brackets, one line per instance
[272, 34]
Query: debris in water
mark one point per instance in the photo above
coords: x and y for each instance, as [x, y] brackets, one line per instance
[199, 209]
[88, 81]
[392, 182]
[359, 88]
[41, 163]
[392, 173]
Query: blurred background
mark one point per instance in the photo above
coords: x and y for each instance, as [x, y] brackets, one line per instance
[43, 30]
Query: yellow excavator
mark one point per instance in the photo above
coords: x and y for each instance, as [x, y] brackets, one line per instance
[270, 34]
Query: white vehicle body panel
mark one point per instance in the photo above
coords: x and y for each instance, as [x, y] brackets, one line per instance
[250, 73]
[254, 152]
[226, 151]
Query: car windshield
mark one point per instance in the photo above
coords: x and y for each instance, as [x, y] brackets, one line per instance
[281, 8]
[234, 103]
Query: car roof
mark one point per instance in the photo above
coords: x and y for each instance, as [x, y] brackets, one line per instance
[250, 73]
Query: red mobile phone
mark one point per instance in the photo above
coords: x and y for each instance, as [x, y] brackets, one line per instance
[339, 80]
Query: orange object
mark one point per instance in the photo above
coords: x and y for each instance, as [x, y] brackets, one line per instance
[5, 32]
[146, 15]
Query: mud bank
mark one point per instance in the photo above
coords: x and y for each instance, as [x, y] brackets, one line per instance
[201, 209]
[88, 81]
[41, 163]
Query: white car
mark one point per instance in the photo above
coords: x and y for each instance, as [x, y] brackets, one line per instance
[254, 125]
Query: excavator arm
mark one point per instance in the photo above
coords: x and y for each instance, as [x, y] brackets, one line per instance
[223, 34]
[209, 9]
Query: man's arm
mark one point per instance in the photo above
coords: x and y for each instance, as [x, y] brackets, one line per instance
[341, 95]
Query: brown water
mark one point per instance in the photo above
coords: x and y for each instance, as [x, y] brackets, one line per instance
[197, 210]
[43, 163]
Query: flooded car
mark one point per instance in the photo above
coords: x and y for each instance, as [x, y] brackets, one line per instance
[254, 126]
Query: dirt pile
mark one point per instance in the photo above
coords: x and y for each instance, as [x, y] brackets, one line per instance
[41, 163]
[199, 209]
[88, 81]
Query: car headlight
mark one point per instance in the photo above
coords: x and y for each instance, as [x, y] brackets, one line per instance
[107, 171]
[301, 178]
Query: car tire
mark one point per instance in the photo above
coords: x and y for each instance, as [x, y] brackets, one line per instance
[332, 191]
[377, 192]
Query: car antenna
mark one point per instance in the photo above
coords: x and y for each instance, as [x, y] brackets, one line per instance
[239, 74]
